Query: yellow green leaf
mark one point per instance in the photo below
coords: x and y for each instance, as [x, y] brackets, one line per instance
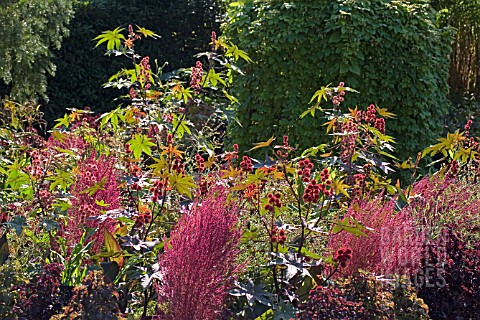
[113, 247]
[263, 144]
[182, 183]
[384, 113]
[340, 187]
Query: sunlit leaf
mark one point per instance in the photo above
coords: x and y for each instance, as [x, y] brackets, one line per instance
[140, 143]
[113, 247]
[147, 33]
[182, 183]
[263, 144]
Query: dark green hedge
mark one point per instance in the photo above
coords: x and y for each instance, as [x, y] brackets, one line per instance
[390, 51]
[185, 28]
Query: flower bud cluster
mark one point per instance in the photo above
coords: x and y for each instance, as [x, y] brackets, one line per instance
[200, 162]
[347, 146]
[45, 197]
[144, 76]
[196, 77]
[338, 98]
[278, 235]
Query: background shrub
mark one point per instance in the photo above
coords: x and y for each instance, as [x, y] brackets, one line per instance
[29, 30]
[185, 28]
[390, 51]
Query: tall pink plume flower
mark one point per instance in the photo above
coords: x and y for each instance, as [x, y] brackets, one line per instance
[85, 203]
[393, 243]
[397, 242]
[199, 262]
[445, 200]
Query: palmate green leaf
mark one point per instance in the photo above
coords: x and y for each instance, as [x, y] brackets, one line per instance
[147, 33]
[350, 225]
[284, 312]
[113, 37]
[182, 183]
[465, 154]
[311, 110]
[381, 136]
[263, 144]
[214, 78]
[139, 144]
[65, 121]
[445, 145]
[257, 177]
[311, 152]
[182, 128]
[237, 53]
[62, 179]
[15, 177]
[160, 165]
[96, 187]
[113, 117]
[320, 94]
[113, 247]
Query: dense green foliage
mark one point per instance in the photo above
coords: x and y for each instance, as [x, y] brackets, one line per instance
[184, 26]
[390, 51]
[28, 32]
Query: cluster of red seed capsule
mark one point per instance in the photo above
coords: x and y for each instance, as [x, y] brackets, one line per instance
[37, 168]
[143, 218]
[157, 190]
[285, 147]
[246, 164]
[278, 235]
[359, 185]
[45, 197]
[178, 166]
[305, 169]
[273, 201]
[342, 256]
[313, 189]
